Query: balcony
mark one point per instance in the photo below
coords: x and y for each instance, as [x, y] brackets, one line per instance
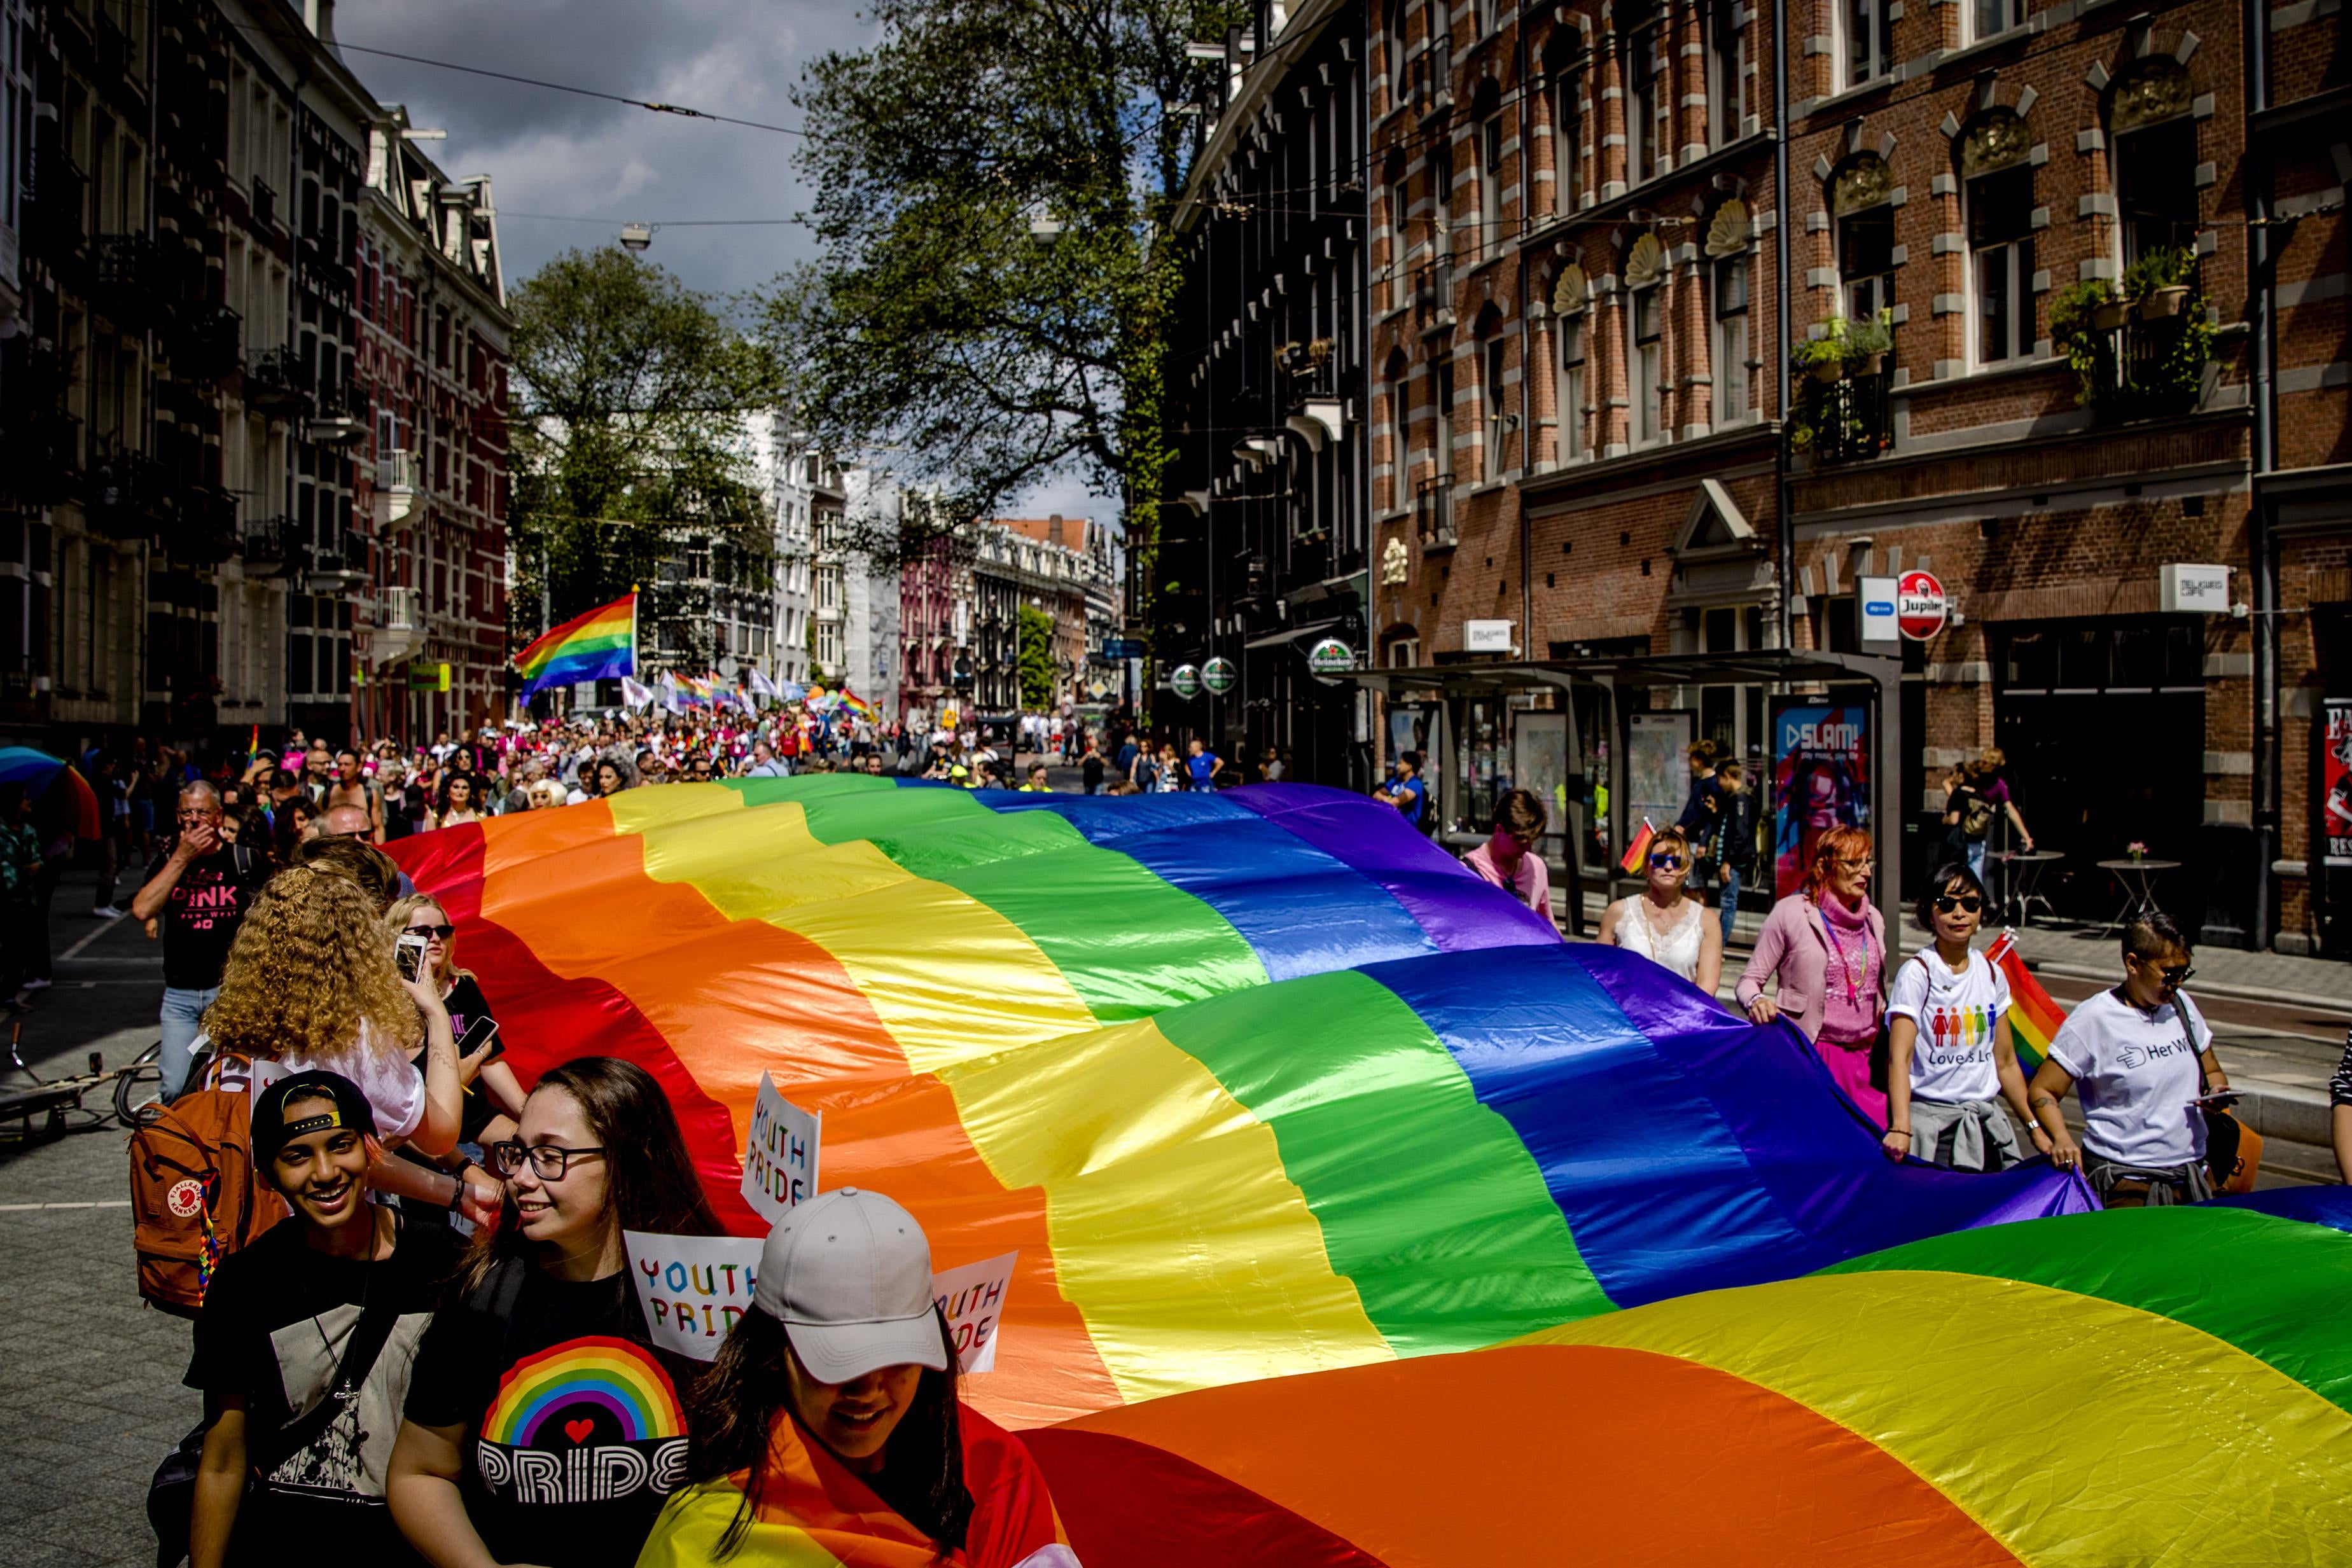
[130, 493]
[278, 383]
[399, 489]
[263, 202]
[1432, 512]
[2149, 369]
[336, 564]
[339, 415]
[266, 544]
[205, 532]
[204, 344]
[1847, 419]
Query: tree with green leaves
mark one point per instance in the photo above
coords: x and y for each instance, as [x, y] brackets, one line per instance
[1036, 659]
[995, 182]
[628, 457]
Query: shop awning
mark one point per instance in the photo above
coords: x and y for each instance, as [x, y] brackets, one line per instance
[1291, 634]
[1762, 666]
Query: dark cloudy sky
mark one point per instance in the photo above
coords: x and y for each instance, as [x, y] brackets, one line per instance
[557, 153]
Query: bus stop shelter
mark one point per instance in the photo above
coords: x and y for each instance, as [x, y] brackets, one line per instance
[1627, 684]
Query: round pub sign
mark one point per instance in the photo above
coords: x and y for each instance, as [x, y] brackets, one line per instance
[1184, 681]
[1219, 675]
[1331, 657]
[1920, 607]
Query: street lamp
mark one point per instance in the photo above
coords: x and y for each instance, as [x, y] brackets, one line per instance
[636, 237]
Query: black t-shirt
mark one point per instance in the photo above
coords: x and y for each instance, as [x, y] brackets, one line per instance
[1091, 770]
[202, 914]
[274, 1328]
[574, 1434]
[466, 1003]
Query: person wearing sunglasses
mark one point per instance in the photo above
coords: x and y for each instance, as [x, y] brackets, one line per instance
[2142, 1056]
[515, 1448]
[494, 1096]
[1665, 924]
[1950, 1059]
[1823, 949]
[1512, 857]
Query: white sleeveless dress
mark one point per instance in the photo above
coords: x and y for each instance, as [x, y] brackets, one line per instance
[1676, 948]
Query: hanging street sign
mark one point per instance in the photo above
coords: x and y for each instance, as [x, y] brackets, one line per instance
[1331, 657]
[1184, 681]
[1219, 675]
[1920, 607]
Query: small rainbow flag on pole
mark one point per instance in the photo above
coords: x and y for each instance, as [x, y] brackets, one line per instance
[1638, 848]
[856, 705]
[2034, 1015]
[598, 645]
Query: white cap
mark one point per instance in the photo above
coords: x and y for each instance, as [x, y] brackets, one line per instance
[849, 1274]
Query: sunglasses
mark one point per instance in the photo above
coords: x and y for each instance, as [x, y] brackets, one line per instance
[1947, 902]
[2175, 975]
[441, 933]
[1667, 862]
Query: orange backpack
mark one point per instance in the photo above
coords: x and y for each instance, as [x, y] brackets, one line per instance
[193, 1193]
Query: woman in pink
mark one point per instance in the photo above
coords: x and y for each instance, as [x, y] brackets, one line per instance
[1825, 946]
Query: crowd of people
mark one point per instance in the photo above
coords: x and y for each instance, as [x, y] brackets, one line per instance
[465, 1377]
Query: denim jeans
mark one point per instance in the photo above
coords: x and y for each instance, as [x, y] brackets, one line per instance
[1728, 905]
[182, 1021]
[1977, 856]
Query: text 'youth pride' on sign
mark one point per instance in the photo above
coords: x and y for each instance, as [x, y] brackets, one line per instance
[779, 1153]
[692, 1289]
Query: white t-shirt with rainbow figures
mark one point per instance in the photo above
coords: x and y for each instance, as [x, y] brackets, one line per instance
[1955, 1013]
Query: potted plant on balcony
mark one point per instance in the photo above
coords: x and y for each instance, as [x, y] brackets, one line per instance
[1868, 342]
[2158, 283]
[1823, 359]
[2079, 328]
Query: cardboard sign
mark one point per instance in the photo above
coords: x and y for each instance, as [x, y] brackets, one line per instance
[693, 1288]
[972, 1297]
[779, 1153]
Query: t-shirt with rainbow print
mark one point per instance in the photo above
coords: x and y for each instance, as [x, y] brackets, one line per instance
[1951, 1061]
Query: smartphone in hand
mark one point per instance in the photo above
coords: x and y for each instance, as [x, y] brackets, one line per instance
[482, 1031]
[409, 954]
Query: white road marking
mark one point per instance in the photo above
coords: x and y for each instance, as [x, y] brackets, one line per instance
[75, 951]
[27, 1208]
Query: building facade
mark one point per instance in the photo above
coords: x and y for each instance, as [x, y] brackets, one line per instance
[869, 590]
[2053, 301]
[191, 444]
[787, 470]
[1263, 543]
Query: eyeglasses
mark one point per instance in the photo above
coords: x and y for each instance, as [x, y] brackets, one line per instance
[441, 933]
[1667, 862]
[200, 816]
[1947, 902]
[548, 1162]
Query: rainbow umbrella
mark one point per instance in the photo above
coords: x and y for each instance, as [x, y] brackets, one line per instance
[1255, 1083]
[2141, 1386]
[39, 772]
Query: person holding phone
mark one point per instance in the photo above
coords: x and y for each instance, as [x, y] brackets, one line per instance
[1950, 1059]
[2143, 1057]
[494, 1096]
[542, 1425]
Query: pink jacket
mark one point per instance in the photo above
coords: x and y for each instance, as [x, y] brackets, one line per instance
[1795, 947]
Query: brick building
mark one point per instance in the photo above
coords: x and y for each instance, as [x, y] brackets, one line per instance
[1589, 443]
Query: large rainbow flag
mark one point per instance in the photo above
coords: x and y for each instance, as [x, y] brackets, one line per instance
[2155, 1385]
[597, 645]
[1257, 1082]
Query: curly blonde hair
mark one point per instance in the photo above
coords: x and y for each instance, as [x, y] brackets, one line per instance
[311, 963]
[395, 920]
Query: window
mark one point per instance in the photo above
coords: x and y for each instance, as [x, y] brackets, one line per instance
[1866, 54]
[2155, 157]
[1568, 141]
[1865, 235]
[1990, 19]
[1399, 244]
[1393, 27]
[1731, 345]
[1483, 13]
[1571, 388]
[1998, 189]
[1648, 317]
[1641, 73]
[1497, 421]
[1726, 73]
[1490, 186]
[1404, 653]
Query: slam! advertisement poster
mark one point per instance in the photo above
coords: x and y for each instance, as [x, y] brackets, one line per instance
[1820, 780]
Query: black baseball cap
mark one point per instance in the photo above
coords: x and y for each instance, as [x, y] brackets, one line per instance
[272, 1131]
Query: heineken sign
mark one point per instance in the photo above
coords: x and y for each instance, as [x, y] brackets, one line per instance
[1331, 657]
[1219, 675]
[1184, 681]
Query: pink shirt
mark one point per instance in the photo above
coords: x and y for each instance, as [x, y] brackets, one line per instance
[1531, 881]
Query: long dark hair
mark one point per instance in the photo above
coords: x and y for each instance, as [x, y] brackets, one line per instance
[734, 1409]
[649, 1181]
